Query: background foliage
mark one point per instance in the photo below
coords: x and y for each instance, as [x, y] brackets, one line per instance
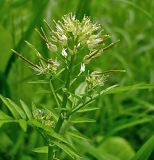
[124, 121]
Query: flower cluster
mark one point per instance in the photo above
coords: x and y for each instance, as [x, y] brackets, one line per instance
[84, 32]
[96, 79]
[44, 116]
[48, 67]
[70, 34]
[68, 38]
[45, 66]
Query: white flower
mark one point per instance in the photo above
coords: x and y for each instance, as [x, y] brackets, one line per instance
[75, 35]
[39, 69]
[63, 37]
[64, 53]
[82, 68]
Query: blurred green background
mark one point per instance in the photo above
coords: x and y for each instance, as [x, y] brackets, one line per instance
[125, 120]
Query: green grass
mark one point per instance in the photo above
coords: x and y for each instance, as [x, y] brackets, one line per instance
[126, 113]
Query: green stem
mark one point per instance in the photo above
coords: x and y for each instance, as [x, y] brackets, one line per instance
[48, 141]
[65, 97]
[63, 105]
[54, 94]
[50, 152]
[79, 107]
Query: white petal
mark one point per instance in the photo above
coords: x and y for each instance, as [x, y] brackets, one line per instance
[64, 53]
[78, 44]
[82, 68]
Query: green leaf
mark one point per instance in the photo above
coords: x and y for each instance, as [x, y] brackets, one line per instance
[34, 122]
[128, 124]
[76, 135]
[83, 120]
[48, 130]
[4, 116]
[87, 109]
[17, 108]
[130, 88]
[43, 149]
[14, 108]
[107, 90]
[26, 109]
[146, 150]
[9, 106]
[92, 150]
[122, 149]
[56, 135]
[67, 150]
[23, 124]
[71, 98]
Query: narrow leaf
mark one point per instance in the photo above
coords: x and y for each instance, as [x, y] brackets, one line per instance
[9, 106]
[128, 124]
[43, 149]
[48, 130]
[87, 109]
[23, 124]
[76, 135]
[92, 150]
[67, 150]
[26, 109]
[17, 108]
[146, 150]
[83, 120]
[4, 116]
[130, 88]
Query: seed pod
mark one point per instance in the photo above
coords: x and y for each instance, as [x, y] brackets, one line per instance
[51, 47]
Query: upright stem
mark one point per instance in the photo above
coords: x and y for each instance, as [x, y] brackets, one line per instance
[50, 152]
[50, 148]
[63, 105]
[65, 96]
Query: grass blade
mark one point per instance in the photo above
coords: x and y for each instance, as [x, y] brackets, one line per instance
[146, 150]
[130, 88]
[27, 35]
